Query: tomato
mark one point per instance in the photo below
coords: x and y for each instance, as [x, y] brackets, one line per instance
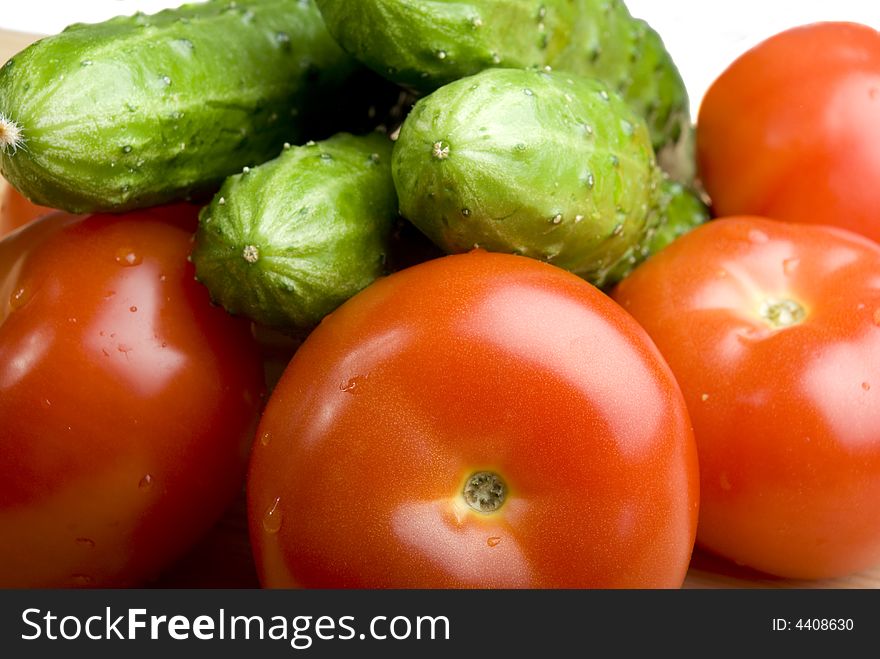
[479, 420]
[15, 210]
[791, 130]
[127, 400]
[773, 332]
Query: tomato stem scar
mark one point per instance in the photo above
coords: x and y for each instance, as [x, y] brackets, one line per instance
[485, 492]
[782, 313]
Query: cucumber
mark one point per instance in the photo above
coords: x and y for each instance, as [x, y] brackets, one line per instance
[426, 44]
[548, 165]
[681, 209]
[137, 111]
[287, 242]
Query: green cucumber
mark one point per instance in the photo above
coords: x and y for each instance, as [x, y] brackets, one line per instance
[548, 165]
[426, 44]
[287, 242]
[680, 209]
[140, 110]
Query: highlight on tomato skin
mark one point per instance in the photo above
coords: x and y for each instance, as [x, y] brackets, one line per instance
[790, 130]
[127, 400]
[476, 421]
[773, 332]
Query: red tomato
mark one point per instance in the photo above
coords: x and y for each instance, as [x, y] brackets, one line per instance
[792, 129]
[480, 420]
[15, 210]
[773, 332]
[126, 400]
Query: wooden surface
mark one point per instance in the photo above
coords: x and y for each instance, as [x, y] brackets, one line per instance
[223, 558]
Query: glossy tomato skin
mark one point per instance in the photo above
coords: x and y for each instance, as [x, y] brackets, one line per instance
[127, 400]
[470, 363]
[791, 130]
[787, 418]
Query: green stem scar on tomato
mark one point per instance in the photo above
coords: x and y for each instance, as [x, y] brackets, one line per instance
[782, 313]
[479, 420]
[485, 492]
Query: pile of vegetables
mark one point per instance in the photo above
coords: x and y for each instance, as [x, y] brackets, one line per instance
[436, 280]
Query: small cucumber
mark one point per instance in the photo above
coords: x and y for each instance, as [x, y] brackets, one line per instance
[287, 242]
[549, 165]
[425, 44]
[141, 110]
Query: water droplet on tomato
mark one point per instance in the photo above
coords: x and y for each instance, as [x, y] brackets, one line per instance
[19, 298]
[145, 482]
[724, 481]
[351, 387]
[790, 265]
[272, 519]
[704, 397]
[127, 257]
[866, 386]
[46, 403]
[81, 580]
[265, 439]
[493, 541]
[133, 308]
[85, 542]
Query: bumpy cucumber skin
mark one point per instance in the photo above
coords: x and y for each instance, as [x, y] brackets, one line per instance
[140, 110]
[428, 43]
[289, 241]
[547, 165]
[681, 209]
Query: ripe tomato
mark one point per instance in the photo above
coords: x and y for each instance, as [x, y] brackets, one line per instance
[792, 129]
[480, 420]
[126, 400]
[773, 332]
[15, 210]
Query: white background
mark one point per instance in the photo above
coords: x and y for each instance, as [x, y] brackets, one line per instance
[703, 36]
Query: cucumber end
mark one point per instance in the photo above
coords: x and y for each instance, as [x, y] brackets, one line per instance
[11, 138]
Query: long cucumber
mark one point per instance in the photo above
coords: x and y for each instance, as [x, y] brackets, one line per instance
[426, 44]
[137, 111]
